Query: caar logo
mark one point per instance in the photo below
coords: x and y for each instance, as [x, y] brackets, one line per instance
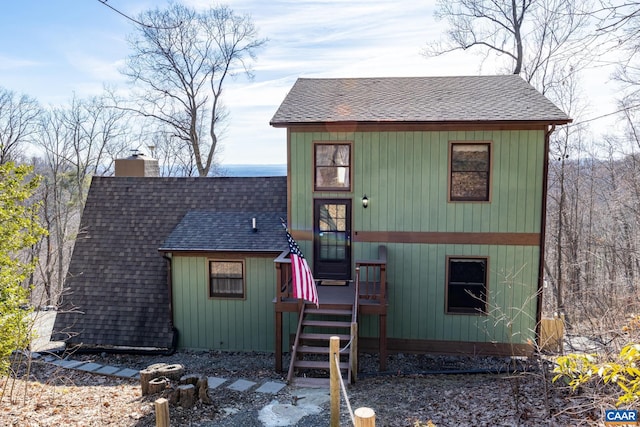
[617, 417]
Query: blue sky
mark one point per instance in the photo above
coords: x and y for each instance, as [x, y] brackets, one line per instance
[53, 49]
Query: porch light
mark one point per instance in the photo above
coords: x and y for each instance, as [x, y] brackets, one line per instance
[365, 201]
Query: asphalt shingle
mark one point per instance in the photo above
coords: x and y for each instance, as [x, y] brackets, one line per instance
[228, 231]
[117, 282]
[416, 100]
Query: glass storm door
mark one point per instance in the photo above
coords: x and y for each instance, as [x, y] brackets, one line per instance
[332, 239]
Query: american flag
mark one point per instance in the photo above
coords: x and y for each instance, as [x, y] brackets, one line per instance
[304, 287]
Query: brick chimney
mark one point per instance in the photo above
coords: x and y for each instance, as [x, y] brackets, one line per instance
[137, 165]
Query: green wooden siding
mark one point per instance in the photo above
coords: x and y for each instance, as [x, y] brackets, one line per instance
[417, 284]
[405, 176]
[224, 324]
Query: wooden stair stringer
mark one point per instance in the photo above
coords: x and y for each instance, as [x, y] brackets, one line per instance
[310, 351]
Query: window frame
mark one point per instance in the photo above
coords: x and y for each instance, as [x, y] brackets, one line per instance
[234, 296]
[316, 186]
[473, 311]
[450, 171]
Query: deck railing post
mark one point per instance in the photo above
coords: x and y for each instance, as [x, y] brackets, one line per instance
[278, 281]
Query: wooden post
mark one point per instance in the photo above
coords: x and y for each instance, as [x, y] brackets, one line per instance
[162, 412]
[365, 417]
[334, 377]
[383, 342]
[278, 340]
[279, 281]
[354, 352]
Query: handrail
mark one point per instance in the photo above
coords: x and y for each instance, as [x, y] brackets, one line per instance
[353, 350]
[294, 348]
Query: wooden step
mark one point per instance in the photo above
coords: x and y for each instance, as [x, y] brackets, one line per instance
[327, 323]
[323, 337]
[310, 349]
[329, 311]
[318, 364]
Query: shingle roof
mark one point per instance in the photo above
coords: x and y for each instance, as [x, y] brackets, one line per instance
[225, 231]
[416, 100]
[117, 278]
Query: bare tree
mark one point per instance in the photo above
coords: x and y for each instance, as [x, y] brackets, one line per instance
[619, 30]
[77, 141]
[174, 154]
[18, 120]
[182, 59]
[534, 35]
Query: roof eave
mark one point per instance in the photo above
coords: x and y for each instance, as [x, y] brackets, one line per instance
[543, 122]
[202, 250]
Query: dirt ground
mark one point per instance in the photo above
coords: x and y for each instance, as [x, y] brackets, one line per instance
[413, 391]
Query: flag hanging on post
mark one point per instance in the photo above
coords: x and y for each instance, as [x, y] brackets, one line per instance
[304, 286]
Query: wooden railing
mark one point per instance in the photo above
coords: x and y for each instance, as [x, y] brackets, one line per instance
[353, 350]
[372, 277]
[372, 295]
[284, 281]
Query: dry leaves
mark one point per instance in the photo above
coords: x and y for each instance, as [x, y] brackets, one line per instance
[59, 397]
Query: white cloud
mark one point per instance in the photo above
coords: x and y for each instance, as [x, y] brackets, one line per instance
[13, 63]
[82, 50]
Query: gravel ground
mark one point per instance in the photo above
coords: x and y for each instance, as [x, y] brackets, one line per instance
[414, 390]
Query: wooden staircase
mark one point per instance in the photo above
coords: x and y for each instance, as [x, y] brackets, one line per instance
[309, 365]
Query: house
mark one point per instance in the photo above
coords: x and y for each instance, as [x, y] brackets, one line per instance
[139, 234]
[448, 175]
[419, 204]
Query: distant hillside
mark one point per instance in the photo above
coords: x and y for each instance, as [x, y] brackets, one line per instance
[253, 170]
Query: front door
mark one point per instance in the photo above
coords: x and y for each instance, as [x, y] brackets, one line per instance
[332, 239]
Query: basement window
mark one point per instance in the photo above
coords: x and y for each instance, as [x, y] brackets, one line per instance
[469, 171]
[466, 285]
[226, 279]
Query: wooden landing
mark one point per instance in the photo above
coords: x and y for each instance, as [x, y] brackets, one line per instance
[337, 297]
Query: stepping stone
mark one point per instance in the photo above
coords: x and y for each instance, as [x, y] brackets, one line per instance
[50, 359]
[214, 382]
[69, 364]
[90, 367]
[127, 373]
[270, 387]
[107, 370]
[241, 385]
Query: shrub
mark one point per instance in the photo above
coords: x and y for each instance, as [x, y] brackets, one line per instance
[19, 231]
[620, 372]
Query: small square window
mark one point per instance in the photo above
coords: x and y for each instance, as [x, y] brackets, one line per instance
[332, 166]
[467, 285]
[226, 279]
[469, 166]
